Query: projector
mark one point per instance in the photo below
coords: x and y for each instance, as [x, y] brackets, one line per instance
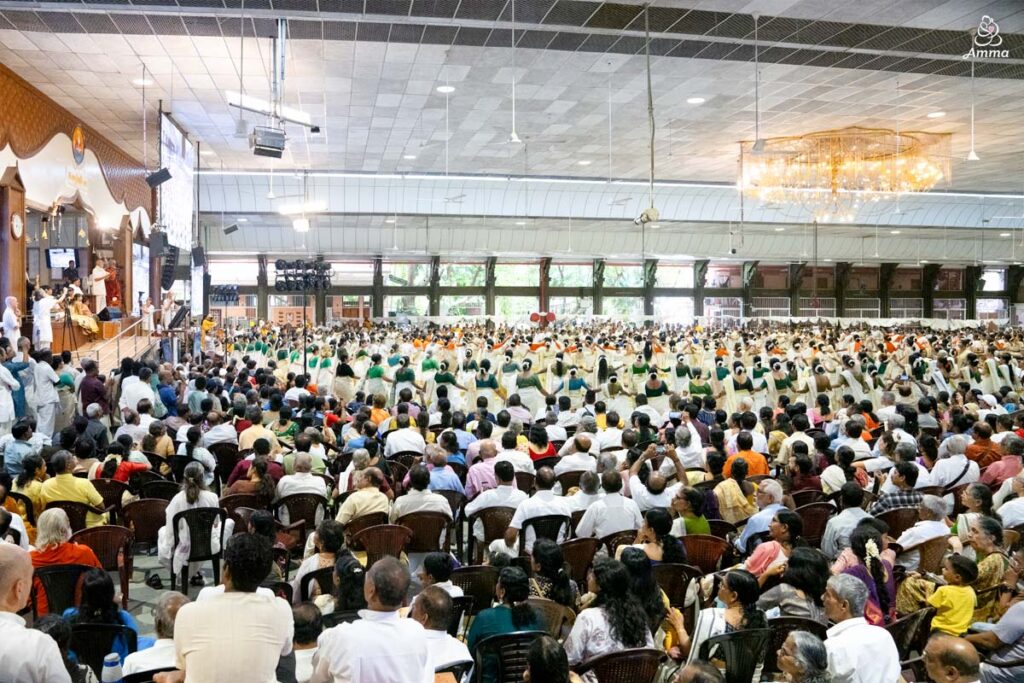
[267, 142]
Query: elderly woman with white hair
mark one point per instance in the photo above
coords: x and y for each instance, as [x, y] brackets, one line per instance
[804, 659]
[54, 547]
[953, 468]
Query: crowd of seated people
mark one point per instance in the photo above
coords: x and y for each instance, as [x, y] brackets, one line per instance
[670, 506]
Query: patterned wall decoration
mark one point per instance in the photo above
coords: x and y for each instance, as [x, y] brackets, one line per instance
[29, 119]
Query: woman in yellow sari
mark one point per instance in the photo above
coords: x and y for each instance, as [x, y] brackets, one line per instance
[985, 536]
[82, 316]
[736, 495]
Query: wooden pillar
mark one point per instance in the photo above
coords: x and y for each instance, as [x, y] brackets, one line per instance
[435, 285]
[796, 276]
[262, 288]
[12, 238]
[748, 272]
[598, 286]
[377, 301]
[700, 275]
[489, 276]
[886, 273]
[650, 280]
[839, 288]
[545, 279]
[972, 285]
[929, 276]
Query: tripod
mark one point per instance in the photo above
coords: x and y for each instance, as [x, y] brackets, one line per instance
[68, 330]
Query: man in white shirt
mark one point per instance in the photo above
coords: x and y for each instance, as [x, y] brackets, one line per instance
[611, 435]
[894, 425]
[419, 498]
[26, 655]
[888, 408]
[556, 432]
[161, 655]
[566, 417]
[589, 492]
[1012, 513]
[295, 394]
[653, 493]
[769, 499]
[303, 481]
[688, 451]
[905, 452]
[404, 438]
[857, 651]
[308, 627]
[520, 461]
[380, 646]
[433, 608]
[955, 469]
[219, 432]
[749, 423]
[853, 429]
[543, 502]
[136, 388]
[47, 401]
[837, 532]
[579, 459]
[932, 513]
[505, 494]
[612, 513]
[260, 627]
[641, 407]
[800, 425]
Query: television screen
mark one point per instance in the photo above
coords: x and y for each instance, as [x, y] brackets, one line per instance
[60, 258]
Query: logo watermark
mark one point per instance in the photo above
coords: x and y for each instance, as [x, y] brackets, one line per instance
[986, 41]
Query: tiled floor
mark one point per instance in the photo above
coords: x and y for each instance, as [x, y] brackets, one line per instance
[142, 598]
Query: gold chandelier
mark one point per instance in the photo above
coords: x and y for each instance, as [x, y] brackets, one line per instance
[833, 173]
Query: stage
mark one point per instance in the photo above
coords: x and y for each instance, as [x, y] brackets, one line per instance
[107, 349]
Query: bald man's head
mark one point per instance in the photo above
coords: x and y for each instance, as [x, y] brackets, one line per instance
[488, 449]
[656, 483]
[582, 443]
[949, 659]
[15, 577]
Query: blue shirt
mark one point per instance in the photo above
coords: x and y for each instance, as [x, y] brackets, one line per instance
[445, 480]
[758, 523]
[18, 396]
[119, 645]
[14, 453]
[464, 438]
[169, 398]
[457, 458]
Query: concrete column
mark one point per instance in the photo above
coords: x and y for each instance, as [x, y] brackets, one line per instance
[435, 284]
[598, 286]
[262, 288]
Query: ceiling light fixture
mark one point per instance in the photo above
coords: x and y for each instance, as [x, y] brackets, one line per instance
[446, 89]
[779, 229]
[936, 114]
[520, 222]
[144, 82]
[513, 137]
[318, 206]
[206, 152]
[409, 157]
[301, 224]
[241, 219]
[389, 221]
[584, 162]
[894, 232]
[1004, 234]
[695, 100]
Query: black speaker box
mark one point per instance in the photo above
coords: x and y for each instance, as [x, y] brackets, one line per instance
[109, 313]
[157, 242]
[198, 257]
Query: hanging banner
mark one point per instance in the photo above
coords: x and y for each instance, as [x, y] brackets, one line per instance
[177, 195]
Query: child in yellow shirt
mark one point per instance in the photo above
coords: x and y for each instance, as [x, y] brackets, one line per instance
[954, 602]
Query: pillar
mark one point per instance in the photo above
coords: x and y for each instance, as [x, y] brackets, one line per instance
[700, 274]
[489, 266]
[839, 289]
[972, 284]
[886, 273]
[435, 285]
[12, 246]
[377, 302]
[650, 280]
[598, 286]
[545, 279]
[748, 272]
[796, 276]
[262, 288]
[929, 278]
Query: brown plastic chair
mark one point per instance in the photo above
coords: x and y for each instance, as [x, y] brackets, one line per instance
[145, 517]
[27, 511]
[636, 665]
[899, 520]
[907, 631]
[114, 548]
[227, 456]
[324, 580]
[931, 553]
[579, 555]
[705, 552]
[427, 529]
[76, 512]
[674, 579]
[383, 540]
[525, 482]
[164, 489]
[815, 517]
[958, 505]
[575, 518]
[569, 480]
[478, 582]
[461, 607]
[613, 541]
[502, 658]
[721, 528]
[356, 525]
[232, 502]
[495, 521]
[553, 615]
[302, 510]
[457, 502]
[781, 628]
[931, 491]
[113, 493]
[545, 526]
[806, 497]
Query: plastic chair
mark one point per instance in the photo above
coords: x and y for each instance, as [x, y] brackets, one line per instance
[504, 656]
[145, 676]
[113, 546]
[227, 456]
[613, 541]
[344, 617]
[282, 589]
[579, 555]
[357, 524]
[461, 607]
[427, 529]
[60, 584]
[674, 579]
[113, 492]
[477, 582]
[721, 528]
[525, 482]
[76, 512]
[636, 665]
[931, 553]
[906, 631]
[458, 670]
[457, 502]
[544, 526]
[781, 627]
[200, 523]
[958, 505]
[705, 551]
[145, 517]
[302, 508]
[815, 517]
[553, 615]
[899, 520]
[494, 521]
[569, 480]
[25, 503]
[92, 642]
[163, 489]
[806, 497]
[324, 580]
[383, 540]
[742, 651]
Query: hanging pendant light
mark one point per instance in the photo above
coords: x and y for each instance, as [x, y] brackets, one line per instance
[513, 137]
[972, 155]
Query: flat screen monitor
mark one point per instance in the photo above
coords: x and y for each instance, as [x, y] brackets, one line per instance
[60, 258]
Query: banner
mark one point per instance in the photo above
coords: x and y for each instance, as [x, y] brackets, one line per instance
[177, 195]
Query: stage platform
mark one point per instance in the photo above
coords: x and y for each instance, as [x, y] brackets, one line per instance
[107, 350]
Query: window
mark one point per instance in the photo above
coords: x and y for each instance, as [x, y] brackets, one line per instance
[572, 275]
[950, 280]
[674, 309]
[352, 273]
[724, 276]
[994, 280]
[723, 307]
[462, 275]
[286, 309]
[864, 307]
[406, 306]
[470, 304]
[517, 307]
[992, 309]
[234, 272]
[623, 276]
[623, 306]
[678, 276]
[769, 306]
[949, 309]
[517, 274]
[906, 308]
[571, 306]
[817, 307]
[862, 279]
[406, 274]
[349, 307]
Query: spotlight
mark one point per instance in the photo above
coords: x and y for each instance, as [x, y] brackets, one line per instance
[231, 228]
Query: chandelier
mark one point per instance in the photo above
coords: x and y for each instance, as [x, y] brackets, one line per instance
[833, 173]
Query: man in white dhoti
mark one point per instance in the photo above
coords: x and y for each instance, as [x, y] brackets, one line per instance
[42, 332]
[99, 290]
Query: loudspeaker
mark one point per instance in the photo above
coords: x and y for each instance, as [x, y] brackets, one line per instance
[170, 262]
[198, 257]
[109, 313]
[231, 228]
[157, 242]
[158, 178]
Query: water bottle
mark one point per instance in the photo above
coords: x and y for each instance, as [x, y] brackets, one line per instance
[112, 669]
